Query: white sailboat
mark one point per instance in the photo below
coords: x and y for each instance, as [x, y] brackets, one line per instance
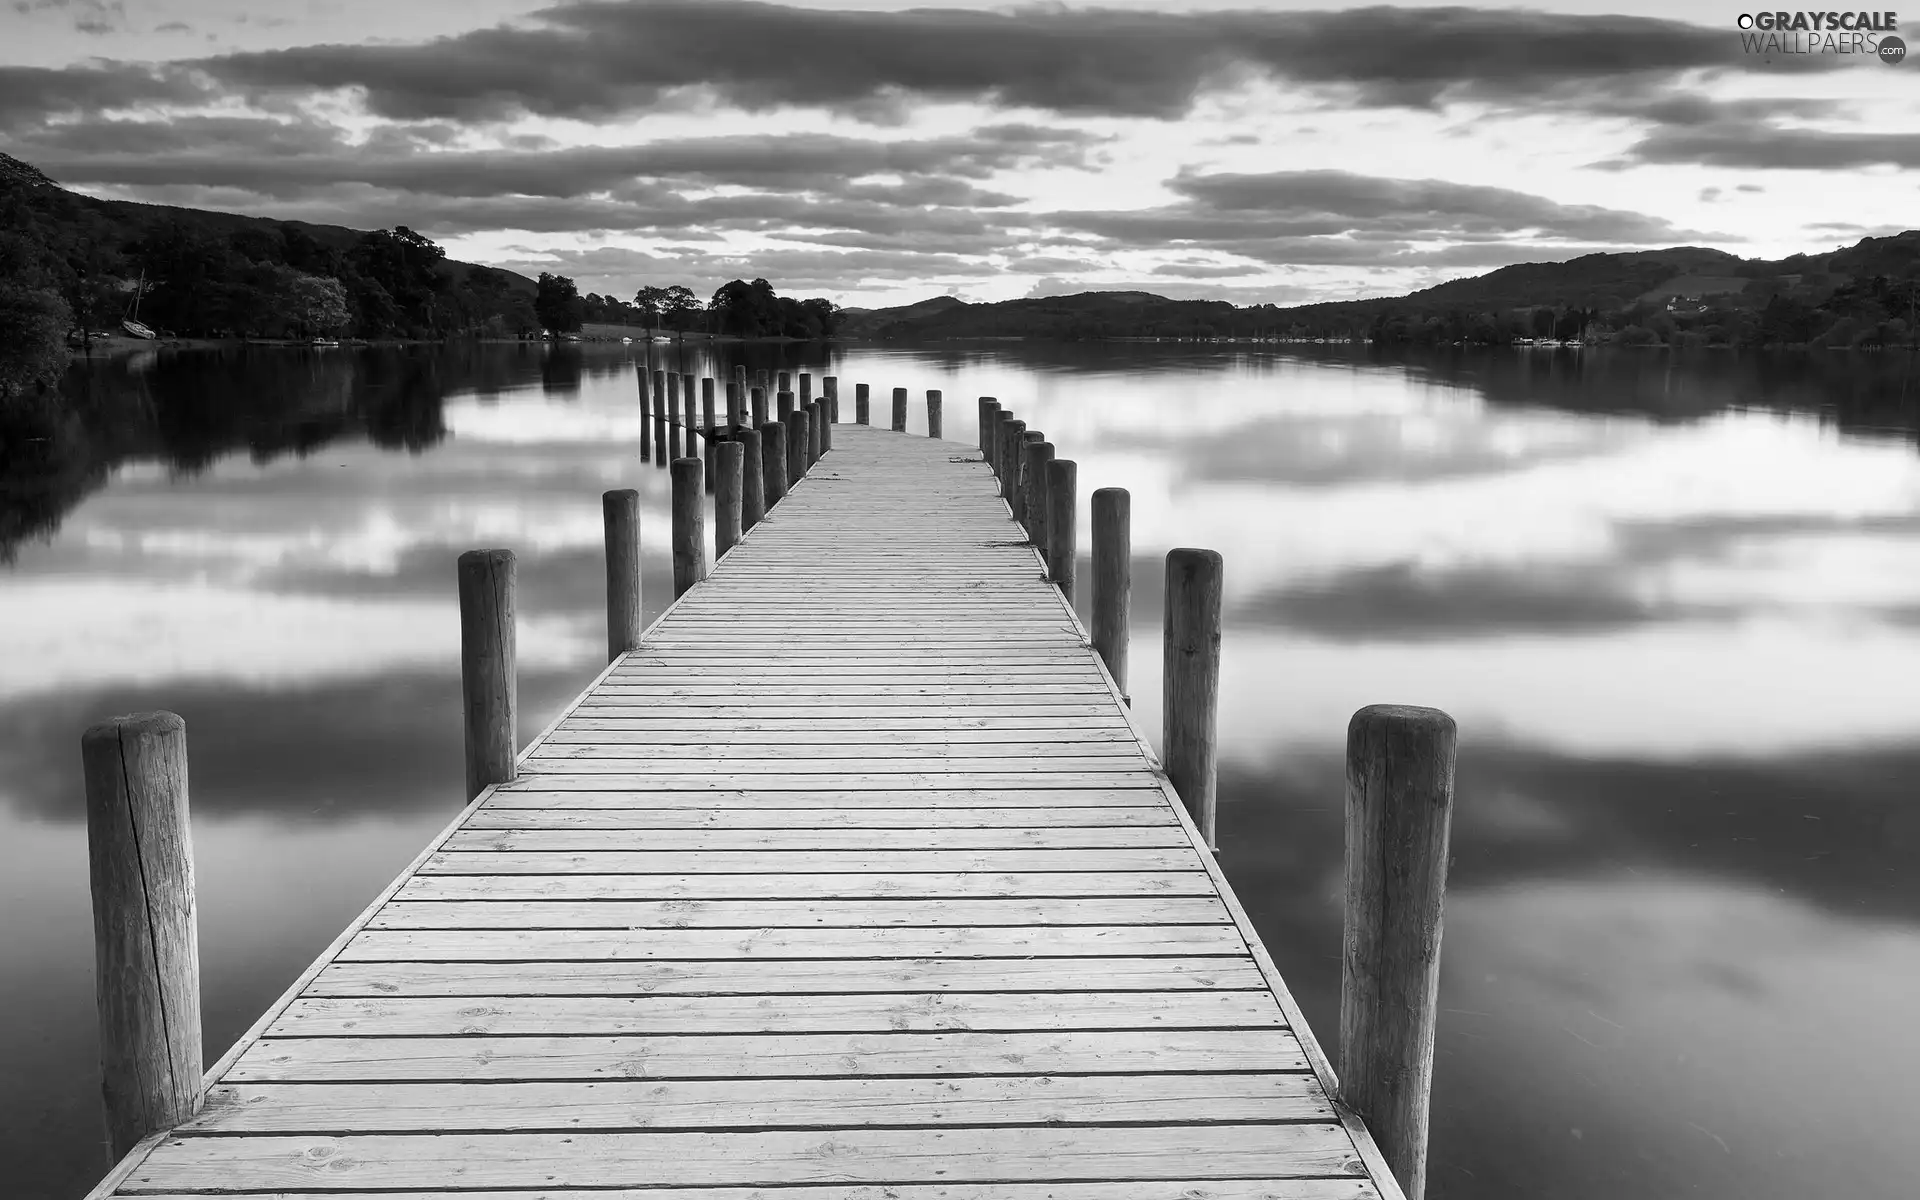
[131, 322]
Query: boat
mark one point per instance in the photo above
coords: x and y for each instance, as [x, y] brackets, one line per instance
[131, 321]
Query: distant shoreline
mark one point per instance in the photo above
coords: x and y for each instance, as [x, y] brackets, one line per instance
[119, 343]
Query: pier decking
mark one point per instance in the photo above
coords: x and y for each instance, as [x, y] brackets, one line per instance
[855, 881]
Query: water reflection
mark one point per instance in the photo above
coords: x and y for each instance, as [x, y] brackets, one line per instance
[1673, 601]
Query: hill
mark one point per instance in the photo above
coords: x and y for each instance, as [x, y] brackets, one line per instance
[1681, 287]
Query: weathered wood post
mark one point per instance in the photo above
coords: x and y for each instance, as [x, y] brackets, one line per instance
[996, 436]
[763, 380]
[621, 511]
[1059, 497]
[830, 389]
[759, 398]
[689, 526]
[933, 412]
[146, 945]
[486, 579]
[738, 415]
[729, 459]
[686, 392]
[786, 381]
[825, 407]
[806, 387]
[773, 462]
[988, 407]
[860, 413]
[783, 405]
[753, 483]
[798, 438]
[1013, 440]
[816, 422]
[1190, 681]
[706, 429]
[673, 416]
[1024, 484]
[662, 417]
[646, 416]
[1039, 454]
[1112, 580]
[736, 400]
[1399, 808]
[899, 410]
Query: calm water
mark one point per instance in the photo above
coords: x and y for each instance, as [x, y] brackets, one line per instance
[1674, 605]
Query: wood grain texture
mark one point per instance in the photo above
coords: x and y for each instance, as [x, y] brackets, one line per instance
[489, 693]
[1112, 579]
[689, 526]
[620, 510]
[145, 935]
[1190, 681]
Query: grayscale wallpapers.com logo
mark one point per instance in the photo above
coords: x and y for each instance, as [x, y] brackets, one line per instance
[1795, 33]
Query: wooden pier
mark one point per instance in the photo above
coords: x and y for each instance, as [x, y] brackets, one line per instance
[856, 880]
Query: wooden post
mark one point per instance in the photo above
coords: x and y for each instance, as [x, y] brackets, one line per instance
[686, 391]
[706, 430]
[1039, 454]
[740, 396]
[646, 417]
[996, 434]
[860, 404]
[899, 410]
[736, 399]
[814, 422]
[759, 397]
[621, 511]
[1399, 809]
[662, 417]
[763, 381]
[773, 461]
[1013, 440]
[689, 526]
[1059, 499]
[783, 405]
[729, 460]
[830, 389]
[933, 412]
[988, 407]
[1024, 484]
[798, 437]
[825, 405]
[786, 381]
[806, 387]
[487, 656]
[753, 483]
[145, 944]
[1112, 580]
[673, 416]
[1190, 681]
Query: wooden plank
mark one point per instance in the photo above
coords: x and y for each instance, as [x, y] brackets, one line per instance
[880, 775]
[605, 793]
[600, 1160]
[843, 728]
[809, 840]
[795, 976]
[804, 741]
[740, 760]
[753, 1056]
[776, 862]
[616, 1016]
[638, 815]
[907, 709]
[791, 914]
[1178, 1189]
[1063, 1100]
[642, 945]
[808, 886]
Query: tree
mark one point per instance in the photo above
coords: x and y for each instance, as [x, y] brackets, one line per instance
[676, 302]
[317, 304]
[33, 338]
[556, 302]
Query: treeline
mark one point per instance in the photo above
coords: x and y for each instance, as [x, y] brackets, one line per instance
[737, 309]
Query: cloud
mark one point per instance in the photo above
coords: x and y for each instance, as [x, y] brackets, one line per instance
[599, 60]
[1340, 217]
[1765, 147]
[32, 94]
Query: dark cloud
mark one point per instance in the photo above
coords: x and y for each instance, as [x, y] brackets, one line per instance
[1771, 147]
[1340, 217]
[598, 60]
[29, 95]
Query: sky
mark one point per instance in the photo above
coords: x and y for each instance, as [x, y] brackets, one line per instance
[877, 154]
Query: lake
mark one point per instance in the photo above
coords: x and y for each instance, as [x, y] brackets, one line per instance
[1672, 601]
